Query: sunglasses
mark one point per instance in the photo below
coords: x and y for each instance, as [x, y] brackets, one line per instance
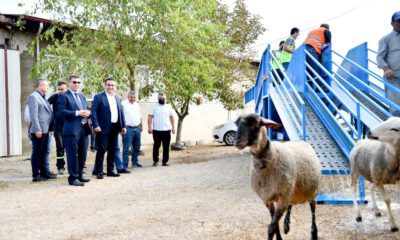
[76, 82]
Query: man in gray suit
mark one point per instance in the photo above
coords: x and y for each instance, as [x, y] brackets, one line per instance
[41, 124]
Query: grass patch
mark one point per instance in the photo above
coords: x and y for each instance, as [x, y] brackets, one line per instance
[3, 184]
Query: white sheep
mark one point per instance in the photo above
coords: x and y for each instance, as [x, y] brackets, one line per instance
[283, 174]
[377, 159]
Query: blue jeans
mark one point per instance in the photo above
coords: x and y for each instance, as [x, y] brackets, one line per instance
[310, 49]
[118, 162]
[132, 137]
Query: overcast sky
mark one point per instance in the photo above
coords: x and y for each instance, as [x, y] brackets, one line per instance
[352, 22]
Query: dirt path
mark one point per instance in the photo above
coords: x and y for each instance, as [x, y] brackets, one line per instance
[204, 194]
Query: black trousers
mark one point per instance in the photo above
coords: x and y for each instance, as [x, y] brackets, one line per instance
[39, 153]
[106, 143]
[59, 146]
[163, 137]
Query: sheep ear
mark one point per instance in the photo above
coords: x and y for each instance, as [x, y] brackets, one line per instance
[238, 120]
[269, 123]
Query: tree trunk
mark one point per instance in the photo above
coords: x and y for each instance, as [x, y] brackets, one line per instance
[132, 86]
[179, 131]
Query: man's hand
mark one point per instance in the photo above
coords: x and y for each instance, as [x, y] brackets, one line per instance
[97, 130]
[150, 131]
[84, 113]
[389, 74]
[123, 131]
[38, 134]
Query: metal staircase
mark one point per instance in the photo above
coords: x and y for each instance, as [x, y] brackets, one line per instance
[309, 108]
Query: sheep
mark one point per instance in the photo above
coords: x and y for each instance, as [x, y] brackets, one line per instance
[377, 159]
[282, 174]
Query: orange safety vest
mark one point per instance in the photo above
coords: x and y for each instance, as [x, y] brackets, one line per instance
[316, 38]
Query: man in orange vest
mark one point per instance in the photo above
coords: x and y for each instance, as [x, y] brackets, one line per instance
[316, 40]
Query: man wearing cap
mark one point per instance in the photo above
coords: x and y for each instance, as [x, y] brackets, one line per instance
[388, 59]
[160, 123]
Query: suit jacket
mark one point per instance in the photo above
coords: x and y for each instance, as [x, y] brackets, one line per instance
[101, 113]
[40, 113]
[53, 100]
[68, 107]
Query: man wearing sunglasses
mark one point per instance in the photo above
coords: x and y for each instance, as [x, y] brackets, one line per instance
[73, 107]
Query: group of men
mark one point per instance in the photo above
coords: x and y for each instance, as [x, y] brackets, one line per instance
[317, 39]
[72, 123]
[388, 58]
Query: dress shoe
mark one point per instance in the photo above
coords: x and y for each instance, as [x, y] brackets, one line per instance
[100, 176]
[49, 176]
[124, 171]
[155, 164]
[137, 165]
[61, 171]
[84, 180]
[165, 165]
[112, 174]
[37, 179]
[76, 182]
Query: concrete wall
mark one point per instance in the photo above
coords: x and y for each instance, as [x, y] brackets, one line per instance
[197, 126]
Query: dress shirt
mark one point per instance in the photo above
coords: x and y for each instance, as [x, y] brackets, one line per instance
[132, 113]
[113, 107]
[389, 52]
[161, 114]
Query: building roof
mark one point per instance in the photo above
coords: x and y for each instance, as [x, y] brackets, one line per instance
[30, 23]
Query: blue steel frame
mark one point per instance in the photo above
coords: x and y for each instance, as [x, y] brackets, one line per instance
[296, 76]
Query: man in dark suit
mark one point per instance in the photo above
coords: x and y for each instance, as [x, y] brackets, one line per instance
[41, 124]
[73, 107]
[108, 120]
[58, 120]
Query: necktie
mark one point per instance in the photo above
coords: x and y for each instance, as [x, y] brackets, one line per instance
[78, 101]
[80, 106]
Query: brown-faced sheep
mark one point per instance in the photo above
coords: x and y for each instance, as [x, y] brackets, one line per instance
[377, 159]
[282, 174]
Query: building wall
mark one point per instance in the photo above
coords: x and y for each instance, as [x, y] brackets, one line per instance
[21, 41]
[197, 126]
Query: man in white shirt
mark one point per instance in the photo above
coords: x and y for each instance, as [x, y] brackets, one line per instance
[108, 120]
[160, 122]
[134, 128]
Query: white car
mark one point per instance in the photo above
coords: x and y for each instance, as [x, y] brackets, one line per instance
[225, 133]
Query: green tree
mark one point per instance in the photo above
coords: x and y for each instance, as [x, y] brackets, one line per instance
[100, 38]
[196, 47]
[209, 57]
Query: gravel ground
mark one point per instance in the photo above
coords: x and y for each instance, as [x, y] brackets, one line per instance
[204, 194]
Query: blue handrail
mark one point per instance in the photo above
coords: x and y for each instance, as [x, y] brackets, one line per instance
[369, 72]
[371, 90]
[300, 111]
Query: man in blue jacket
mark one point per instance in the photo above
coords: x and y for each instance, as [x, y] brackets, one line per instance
[108, 120]
[73, 108]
